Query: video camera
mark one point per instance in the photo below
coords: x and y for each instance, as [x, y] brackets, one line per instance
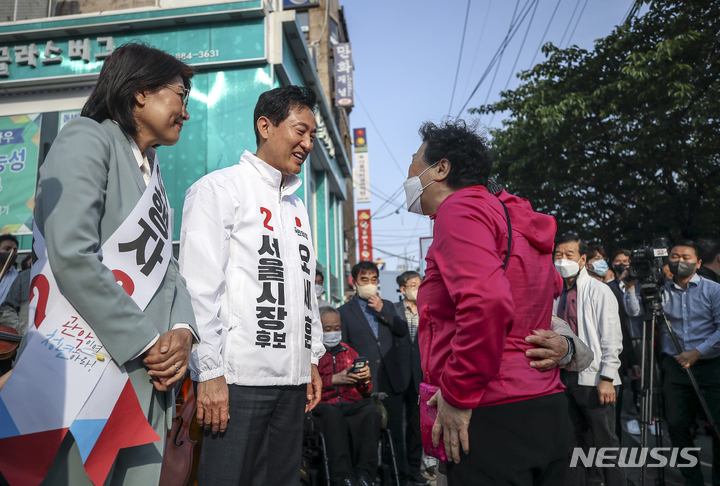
[646, 266]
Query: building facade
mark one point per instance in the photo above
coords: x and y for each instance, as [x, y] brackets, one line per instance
[51, 52]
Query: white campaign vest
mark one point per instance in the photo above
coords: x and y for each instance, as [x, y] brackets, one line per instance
[270, 323]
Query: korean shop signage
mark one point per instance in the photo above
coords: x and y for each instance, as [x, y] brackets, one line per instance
[19, 147]
[75, 52]
[344, 85]
[84, 54]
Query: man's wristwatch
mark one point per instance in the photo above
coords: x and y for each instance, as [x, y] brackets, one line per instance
[569, 355]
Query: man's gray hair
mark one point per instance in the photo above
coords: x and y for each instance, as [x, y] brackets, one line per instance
[326, 309]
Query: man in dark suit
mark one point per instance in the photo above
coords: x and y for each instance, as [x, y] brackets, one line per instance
[371, 327]
[409, 282]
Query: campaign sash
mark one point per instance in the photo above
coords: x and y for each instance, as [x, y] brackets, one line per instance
[65, 379]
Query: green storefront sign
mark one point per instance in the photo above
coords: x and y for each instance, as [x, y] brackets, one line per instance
[198, 44]
[19, 144]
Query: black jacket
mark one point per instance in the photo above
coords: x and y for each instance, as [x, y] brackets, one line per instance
[383, 352]
[628, 358]
[705, 272]
[409, 354]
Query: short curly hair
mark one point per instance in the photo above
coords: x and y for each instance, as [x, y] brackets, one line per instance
[460, 143]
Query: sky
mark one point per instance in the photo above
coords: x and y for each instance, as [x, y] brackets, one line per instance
[406, 59]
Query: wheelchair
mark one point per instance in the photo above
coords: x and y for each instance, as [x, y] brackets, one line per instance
[315, 469]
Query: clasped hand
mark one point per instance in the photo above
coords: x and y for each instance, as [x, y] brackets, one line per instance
[168, 358]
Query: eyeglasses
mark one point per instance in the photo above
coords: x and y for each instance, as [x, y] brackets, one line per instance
[185, 93]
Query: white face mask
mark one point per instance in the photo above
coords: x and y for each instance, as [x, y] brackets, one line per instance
[411, 295]
[367, 291]
[567, 268]
[331, 339]
[319, 289]
[413, 190]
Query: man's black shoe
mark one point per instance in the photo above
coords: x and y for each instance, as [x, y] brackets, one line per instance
[365, 481]
[418, 480]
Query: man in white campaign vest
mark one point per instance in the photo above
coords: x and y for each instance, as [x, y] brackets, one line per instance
[246, 250]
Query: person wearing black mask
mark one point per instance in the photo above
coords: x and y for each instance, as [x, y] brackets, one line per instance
[8, 243]
[619, 263]
[710, 254]
[692, 305]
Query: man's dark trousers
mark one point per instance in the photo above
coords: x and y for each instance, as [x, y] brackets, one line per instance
[413, 439]
[263, 441]
[352, 432]
[682, 406]
[587, 414]
[394, 406]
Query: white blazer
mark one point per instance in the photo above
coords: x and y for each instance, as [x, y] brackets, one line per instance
[599, 328]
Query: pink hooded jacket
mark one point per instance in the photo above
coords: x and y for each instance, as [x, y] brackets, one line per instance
[474, 315]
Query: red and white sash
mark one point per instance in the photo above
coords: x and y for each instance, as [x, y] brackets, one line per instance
[65, 378]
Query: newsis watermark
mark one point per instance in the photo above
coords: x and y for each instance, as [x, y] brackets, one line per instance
[635, 457]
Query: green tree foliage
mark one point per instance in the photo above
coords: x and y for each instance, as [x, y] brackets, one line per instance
[622, 144]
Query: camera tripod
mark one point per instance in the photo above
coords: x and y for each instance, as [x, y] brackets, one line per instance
[657, 315]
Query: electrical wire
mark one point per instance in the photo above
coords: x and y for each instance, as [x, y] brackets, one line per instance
[322, 32]
[462, 44]
[632, 11]
[391, 200]
[512, 71]
[477, 48]
[569, 23]
[414, 260]
[576, 24]
[552, 17]
[497, 67]
[506, 41]
[362, 105]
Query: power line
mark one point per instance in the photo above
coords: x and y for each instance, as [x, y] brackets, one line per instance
[632, 11]
[497, 67]
[512, 71]
[462, 44]
[506, 41]
[375, 190]
[391, 199]
[414, 260]
[576, 24]
[477, 48]
[385, 200]
[378, 133]
[552, 17]
[569, 23]
[502, 53]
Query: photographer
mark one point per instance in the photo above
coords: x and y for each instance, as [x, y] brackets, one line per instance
[692, 306]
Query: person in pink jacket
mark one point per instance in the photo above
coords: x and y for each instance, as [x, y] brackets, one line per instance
[502, 419]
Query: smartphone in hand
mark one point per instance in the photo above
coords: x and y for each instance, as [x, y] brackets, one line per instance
[358, 365]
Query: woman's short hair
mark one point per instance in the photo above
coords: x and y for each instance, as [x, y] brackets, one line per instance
[131, 68]
[470, 158]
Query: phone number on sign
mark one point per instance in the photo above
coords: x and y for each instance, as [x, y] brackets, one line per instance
[199, 55]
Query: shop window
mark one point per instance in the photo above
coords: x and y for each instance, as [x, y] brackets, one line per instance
[303, 18]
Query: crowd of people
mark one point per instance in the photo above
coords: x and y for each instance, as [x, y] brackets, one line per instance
[515, 347]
